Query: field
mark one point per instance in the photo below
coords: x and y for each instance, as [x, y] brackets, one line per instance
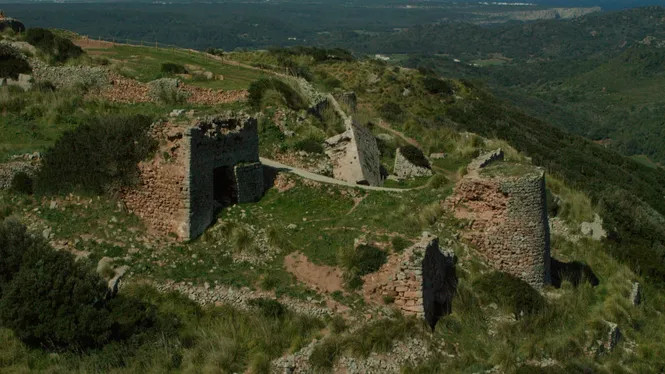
[144, 64]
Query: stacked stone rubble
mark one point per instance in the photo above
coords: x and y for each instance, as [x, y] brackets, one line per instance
[10, 169]
[406, 169]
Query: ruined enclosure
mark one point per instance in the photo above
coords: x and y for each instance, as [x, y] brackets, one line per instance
[505, 207]
[421, 281]
[199, 170]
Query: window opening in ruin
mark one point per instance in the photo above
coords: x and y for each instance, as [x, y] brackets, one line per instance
[225, 191]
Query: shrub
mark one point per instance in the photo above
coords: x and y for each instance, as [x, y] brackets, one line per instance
[359, 261]
[391, 111]
[438, 86]
[14, 242]
[415, 156]
[172, 68]
[510, 293]
[12, 62]
[60, 49]
[258, 88]
[309, 145]
[96, 157]
[43, 86]
[22, 183]
[269, 307]
[53, 300]
[399, 244]
[167, 91]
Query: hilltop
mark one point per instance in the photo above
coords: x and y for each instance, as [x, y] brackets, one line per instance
[301, 209]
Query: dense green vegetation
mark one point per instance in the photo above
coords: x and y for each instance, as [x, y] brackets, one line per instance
[12, 63]
[97, 157]
[58, 49]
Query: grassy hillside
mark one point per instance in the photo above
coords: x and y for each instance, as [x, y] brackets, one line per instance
[240, 303]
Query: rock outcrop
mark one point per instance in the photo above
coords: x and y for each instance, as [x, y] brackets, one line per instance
[505, 206]
[355, 155]
[28, 163]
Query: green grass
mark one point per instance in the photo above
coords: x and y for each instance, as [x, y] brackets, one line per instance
[507, 169]
[205, 339]
[645, 160]
[144, 64]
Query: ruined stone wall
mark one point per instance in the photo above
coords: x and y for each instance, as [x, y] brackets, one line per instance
[160, 197]
[508, 222]
[216, 142]
[421, 281]
[10, 169]
[70, 76]
[355, 155]
[249, 178]
[406, 169]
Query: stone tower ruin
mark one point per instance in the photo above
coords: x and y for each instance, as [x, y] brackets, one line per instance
[355, 155]
[505, 204]
[199, 170]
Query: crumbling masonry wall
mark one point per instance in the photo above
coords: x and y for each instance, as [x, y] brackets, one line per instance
[355, 155]
[508, 222]
[214, 143]
[176, 193]
[422, 280]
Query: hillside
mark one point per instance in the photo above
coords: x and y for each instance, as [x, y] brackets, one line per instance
[470, 237]
[595, 76]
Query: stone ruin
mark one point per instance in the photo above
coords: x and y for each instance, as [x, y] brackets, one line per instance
[507, 217]
[422, 280]
[405, 169]
[198, 170]
[27, 163]
[355, 155]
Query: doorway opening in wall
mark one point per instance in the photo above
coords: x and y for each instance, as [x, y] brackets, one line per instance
[225, 191]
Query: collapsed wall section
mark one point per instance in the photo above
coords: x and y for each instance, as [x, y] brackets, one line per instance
[355, 155]
[508, 221]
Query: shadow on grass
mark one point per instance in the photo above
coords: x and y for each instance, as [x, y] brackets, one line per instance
[575, 272]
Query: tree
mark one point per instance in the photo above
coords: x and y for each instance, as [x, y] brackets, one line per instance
[52, 301]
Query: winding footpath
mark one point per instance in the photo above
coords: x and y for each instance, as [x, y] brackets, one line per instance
[323, 179]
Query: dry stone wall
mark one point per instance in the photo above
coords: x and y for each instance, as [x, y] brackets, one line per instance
[406, 169]
[422, 280]
[70, 76]
[508, 222]
[10, 169]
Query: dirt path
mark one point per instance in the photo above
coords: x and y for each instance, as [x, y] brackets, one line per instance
[323, 179]
[386, 126]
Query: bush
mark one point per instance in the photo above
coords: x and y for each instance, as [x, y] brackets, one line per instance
[363, 259]
[53, 301]
[97, 157]
[509, 292]
[415, 156]
[171, 68]
[12, 62]
[60, 49]
[258, 88]
[399, 244]
[22, 183]
[309, 145]
[269, 307]
[391, 111]
[14, 242]
[167, 91]
[438, 86]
